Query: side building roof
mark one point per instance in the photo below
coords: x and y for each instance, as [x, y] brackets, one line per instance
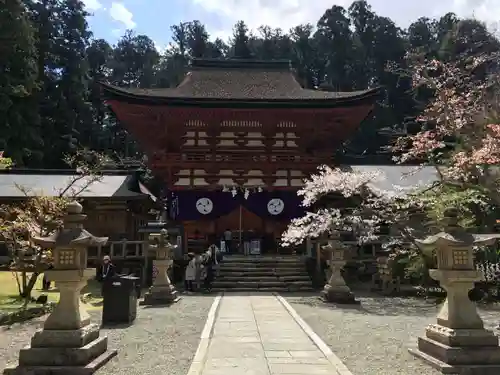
[400, 180]
[212, 81]
[16, 184]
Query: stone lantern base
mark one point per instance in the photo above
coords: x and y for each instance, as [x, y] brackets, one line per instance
[161, 295]
[68, 344]
[459, 351]
[162, 292]
[64, 352]
[341, 295]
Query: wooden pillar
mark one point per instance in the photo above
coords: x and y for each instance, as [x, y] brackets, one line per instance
[318, 256]
[308, 247]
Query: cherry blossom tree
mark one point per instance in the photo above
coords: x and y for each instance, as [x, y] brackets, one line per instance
[460, 128]
[363, 216]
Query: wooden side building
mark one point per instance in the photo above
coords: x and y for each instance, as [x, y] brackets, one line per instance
[117, 206]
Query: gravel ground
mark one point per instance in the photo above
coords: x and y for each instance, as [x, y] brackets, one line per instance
[374, 338]
[161, 341]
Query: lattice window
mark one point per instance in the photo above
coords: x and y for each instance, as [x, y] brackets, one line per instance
[460, 258]
[195, 138]
[66, 257]
[286, 139]
[287, 124]
[244, 124]
[195, 124]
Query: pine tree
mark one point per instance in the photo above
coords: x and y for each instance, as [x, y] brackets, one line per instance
[20, 135]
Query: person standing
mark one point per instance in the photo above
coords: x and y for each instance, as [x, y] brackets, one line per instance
[190, 275]
[211, 264]
[45, 281]
[106, 272]
[228, 239]
[199, 271]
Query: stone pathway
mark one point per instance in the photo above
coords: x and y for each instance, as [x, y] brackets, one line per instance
[261, 335]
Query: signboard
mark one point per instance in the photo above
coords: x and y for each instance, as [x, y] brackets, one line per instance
[255, 247]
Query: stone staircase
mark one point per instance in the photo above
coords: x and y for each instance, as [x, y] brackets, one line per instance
[262, 273]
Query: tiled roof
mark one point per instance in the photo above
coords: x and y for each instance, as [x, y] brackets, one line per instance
[13, 184]
[240, 80]
[400, 179]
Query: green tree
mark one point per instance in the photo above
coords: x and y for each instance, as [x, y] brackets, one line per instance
[303, 54]
[135, 61]
[21, 136]
[240, 43]
[99, 59]
[334, 46]
[197, 40]
[62, 37]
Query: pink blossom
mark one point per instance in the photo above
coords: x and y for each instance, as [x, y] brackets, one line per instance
[329, 180]
[458, 113]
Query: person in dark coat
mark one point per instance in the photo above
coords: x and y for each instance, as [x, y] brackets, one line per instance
[106, 272]
[46, 282]
[210, 265]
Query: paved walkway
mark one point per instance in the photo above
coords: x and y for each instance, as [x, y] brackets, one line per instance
[261, 335]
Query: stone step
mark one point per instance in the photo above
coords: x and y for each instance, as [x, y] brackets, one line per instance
[237, 278]
[266, 273]
[262, 290]
[258, 284]
[263, 264]
[231, 268]
[257, 258]
[302, 277]
[262, 260]
[249, 284]
[271, 273]
[258, 267]
[231, 278]
[274, 274]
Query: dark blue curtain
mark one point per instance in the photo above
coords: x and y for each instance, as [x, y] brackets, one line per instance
[183, 204]
[291, 203]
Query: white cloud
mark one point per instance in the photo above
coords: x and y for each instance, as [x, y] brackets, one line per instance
[92, 4]
[160, 47]
[288, 13]
[484, 10]
[120, 13]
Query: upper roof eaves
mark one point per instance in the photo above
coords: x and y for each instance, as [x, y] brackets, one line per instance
[251, 81]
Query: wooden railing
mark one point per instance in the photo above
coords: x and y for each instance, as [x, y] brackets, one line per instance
[122, 250]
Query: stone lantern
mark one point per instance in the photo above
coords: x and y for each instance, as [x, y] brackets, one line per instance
[162, 291]
[68, 343]
[458, 342]
[384, 279]
[336, 289]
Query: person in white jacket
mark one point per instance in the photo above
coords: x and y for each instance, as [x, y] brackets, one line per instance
[190, 274]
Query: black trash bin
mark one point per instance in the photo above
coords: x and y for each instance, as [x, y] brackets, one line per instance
[120, 300]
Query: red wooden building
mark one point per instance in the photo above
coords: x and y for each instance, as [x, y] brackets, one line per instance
[237, 124]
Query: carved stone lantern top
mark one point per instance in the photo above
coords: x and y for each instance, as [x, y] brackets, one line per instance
[335, 247]
[69, 244]
[454, 246]
[160, 243]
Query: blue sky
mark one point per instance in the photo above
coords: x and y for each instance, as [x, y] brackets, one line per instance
[110, 18]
